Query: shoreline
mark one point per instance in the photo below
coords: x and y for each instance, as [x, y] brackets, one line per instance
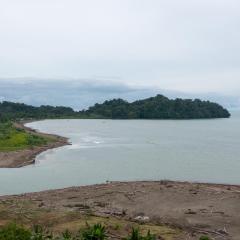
[24, 157]
[186, 210]
[195, 209]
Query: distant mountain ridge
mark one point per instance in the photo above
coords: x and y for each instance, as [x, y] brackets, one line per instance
[158, 107]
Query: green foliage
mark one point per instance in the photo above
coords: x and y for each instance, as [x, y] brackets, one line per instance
[14, 232]
[158, 107]
[13, 111]
[95, 232]
[67, 235]
[12, 138]
[135, 235]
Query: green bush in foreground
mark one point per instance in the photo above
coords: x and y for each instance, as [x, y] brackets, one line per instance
[15, 232]
[95, 232]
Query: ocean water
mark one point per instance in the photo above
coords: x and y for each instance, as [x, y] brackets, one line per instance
[127, 150]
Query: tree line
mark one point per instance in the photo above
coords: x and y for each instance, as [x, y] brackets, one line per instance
[158, 107]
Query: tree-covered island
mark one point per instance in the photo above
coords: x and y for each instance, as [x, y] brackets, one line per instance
[158, 107]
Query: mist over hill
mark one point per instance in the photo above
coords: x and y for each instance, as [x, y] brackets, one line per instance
[85, 92]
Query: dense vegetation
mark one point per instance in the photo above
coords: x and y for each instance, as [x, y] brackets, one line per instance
[13, 111]
[12, 138]
[158, 107]
[95, 232]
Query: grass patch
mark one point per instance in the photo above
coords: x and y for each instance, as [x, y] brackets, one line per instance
[124, 227]
[96, 231]
[12, 138]
[28, 213]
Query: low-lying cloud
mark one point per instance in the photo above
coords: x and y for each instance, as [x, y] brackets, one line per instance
[83, 93]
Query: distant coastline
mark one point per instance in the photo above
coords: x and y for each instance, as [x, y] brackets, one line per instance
[158, 107]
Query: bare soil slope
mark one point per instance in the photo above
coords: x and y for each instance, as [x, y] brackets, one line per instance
[197, 209]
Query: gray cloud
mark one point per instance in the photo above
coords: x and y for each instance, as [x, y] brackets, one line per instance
[86, 92]
[190, 46]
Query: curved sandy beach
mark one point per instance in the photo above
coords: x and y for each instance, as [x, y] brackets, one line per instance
[20, 158]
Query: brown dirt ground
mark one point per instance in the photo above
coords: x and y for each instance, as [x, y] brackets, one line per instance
[172, 210]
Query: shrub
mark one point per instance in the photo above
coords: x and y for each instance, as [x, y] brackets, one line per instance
[14, 232]
[95, 232]
[67, 235]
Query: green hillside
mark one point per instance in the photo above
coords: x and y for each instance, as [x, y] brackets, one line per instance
[158, 107]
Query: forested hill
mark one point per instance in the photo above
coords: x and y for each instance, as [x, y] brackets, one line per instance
[158, 107]
[12, 111]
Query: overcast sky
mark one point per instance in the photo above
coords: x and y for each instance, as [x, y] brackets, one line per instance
[184, 45]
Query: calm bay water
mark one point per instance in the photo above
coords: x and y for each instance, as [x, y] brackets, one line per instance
[101, 150]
